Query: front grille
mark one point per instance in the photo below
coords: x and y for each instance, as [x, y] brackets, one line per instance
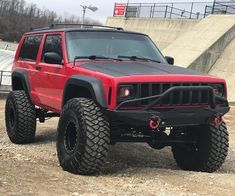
[180, 98]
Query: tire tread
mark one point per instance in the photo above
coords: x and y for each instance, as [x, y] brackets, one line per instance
[96, 136]
[217, 150]
[26, 118]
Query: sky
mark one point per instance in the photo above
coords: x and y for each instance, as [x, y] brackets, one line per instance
[105, 7]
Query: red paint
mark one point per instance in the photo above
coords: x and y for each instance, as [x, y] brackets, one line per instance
[216, 121]
[47, 84]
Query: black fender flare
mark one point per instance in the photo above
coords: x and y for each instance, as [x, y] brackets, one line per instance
[94, 85]
[23, 76]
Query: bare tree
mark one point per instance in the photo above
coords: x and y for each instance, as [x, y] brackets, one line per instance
[17, 17]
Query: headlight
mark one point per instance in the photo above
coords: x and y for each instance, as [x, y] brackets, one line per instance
[126, 91]
[218, 89]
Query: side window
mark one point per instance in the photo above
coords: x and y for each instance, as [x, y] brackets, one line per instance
[29, 49]
[52, 44]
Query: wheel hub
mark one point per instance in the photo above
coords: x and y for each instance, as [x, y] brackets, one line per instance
[70, 137]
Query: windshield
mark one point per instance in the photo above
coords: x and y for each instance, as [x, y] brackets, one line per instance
[111, 45]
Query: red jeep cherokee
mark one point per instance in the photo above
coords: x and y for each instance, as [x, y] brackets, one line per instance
[108, 85]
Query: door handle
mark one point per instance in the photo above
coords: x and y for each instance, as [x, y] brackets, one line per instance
[37, 67]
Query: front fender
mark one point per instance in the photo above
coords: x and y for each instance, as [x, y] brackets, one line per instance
[94, 85]
[22, 75]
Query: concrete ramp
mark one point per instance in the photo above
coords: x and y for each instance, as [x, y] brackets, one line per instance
[8, 46]
[200, 47]
[162, 31]
[225, 68]
[6, 61]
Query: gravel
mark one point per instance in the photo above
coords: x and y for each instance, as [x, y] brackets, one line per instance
[131, 169]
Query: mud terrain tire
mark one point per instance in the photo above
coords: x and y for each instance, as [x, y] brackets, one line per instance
[83, 137]
[20, 118]
[210, 152]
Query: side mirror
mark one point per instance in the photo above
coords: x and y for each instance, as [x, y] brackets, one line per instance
[170, 60]
[52, 58]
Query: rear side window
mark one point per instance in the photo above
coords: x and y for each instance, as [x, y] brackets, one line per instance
[52, 44]
[29, 49]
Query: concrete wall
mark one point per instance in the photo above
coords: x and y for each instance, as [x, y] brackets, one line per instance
[202, 45]
[209, 47]
[225, 68]
[162, 31]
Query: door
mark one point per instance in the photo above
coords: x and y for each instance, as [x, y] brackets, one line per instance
[27, 58]
[49, 79]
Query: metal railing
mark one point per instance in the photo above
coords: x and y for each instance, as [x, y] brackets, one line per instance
[190, 10]
[5, 75]
[220, 7]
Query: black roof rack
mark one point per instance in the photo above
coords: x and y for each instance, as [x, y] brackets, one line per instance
[65, 25]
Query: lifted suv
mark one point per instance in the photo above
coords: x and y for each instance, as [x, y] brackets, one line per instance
[108, 85]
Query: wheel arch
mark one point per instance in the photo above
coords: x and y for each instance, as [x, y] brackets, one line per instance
[20, 81]
[84, 86]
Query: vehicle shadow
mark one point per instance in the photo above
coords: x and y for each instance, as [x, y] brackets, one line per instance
[45, 137]
[124, 158]
[129, 157]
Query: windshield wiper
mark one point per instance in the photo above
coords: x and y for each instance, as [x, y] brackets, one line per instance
[134, 58]
[95, 57]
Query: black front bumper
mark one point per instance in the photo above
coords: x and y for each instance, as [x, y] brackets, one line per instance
[178, 116]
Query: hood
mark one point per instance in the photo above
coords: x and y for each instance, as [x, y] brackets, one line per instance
[119, 69]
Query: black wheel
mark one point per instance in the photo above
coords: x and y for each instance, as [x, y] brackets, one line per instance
[20, 118]
[83, 137]
[210, 151]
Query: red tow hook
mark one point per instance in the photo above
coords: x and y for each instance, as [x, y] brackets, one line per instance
[154, 122]
[217, 120]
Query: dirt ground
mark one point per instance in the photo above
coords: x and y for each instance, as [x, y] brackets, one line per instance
[131, 169]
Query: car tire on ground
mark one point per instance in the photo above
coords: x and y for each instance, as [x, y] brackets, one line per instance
[210, 152]
[20, 118]
[83, 137]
